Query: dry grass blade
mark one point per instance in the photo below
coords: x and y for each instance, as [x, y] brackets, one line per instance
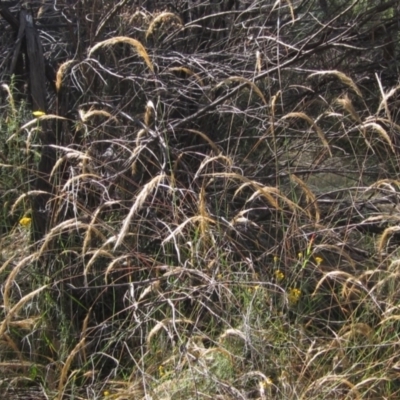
[221, 350]
[291, 10]
[317, 129]
[14, 310]
[386, 183]
[164, 325]
[187, 271]
[359, 328]
[385, 98]
[251, 84]
[386, 235]
[260, 189]
[71, 224]
[346, 103]
[271, 128]
[36, 120]
[123, 39]
[85, 116]
[149, 114]
[61, 71]
[91, 227]
[71, 154]
[231, 332]
[266, 190]
[152, 288]
[382, 132]
[83, 176]
[240, 219]
[310, 197]
[273, 106]
[11, 277]
[9, 365]
[258, 62]
[97, 253]
[179, 229]
[80, 346]
[26, 324]
[390, 318]
[203, 212]
[23, 196]
[10, 99]
[368, 382]
[137, 205]
[206, 138]
[8, 263]
[339, 379]
[208, 160]
[115, 262]
[188, 72]
[335, 274]
[336, 249]
[160, 19]
[342, 77]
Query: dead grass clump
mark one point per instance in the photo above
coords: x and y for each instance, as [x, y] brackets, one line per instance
[214, 227]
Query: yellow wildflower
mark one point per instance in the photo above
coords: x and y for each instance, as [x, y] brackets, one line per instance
[25, 221]
[267, 383]
[300, 255]
[318, 260]
[294, 295]
[276, 259]
[279, 275]
[161, 371]
[38, 113]
[106, 393]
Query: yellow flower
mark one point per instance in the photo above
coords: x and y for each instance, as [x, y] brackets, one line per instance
[106, 393]
[267, 383]
[38, 113]
[276, 259]
[319, 260]
[279, 275]
[300, 255]
[294, 295]
[161, 371]
[25, 221]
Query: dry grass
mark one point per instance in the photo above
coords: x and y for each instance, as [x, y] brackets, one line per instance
[122, 39]
[160, 20]
[212, 231]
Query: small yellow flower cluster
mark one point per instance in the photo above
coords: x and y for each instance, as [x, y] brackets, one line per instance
[318, 260]
[252, 289]
[294, 295]
[267, 383]
[38, 113]
[25, 221]
[109, 395]
[276, 259]
[161, 371]
[279, 275]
